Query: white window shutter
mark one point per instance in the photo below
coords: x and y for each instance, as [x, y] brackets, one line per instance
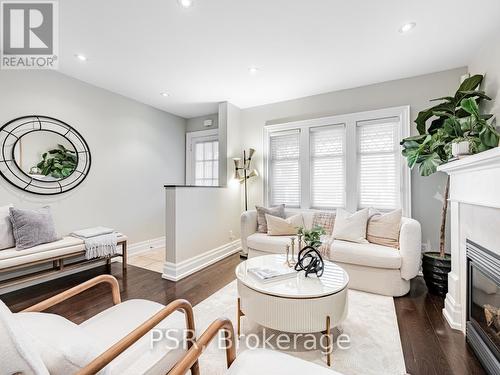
[284, 171]
[327, 149]
[378, 163]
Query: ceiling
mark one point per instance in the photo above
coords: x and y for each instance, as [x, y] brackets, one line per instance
[201, 55]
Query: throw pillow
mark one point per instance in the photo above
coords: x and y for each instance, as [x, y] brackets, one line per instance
[32, 227]
[65, 347]
[6, 235]
[325, 220]
[383, 229]
[278, 211]
[351, 227]
[277, 226]
[18, 355]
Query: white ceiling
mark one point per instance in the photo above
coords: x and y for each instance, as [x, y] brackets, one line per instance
[201, 55]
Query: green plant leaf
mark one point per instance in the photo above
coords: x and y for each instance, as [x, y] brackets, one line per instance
[412, 157]
[488, 136]
[421, 119]
[429, 164]
[453, 127]
[449, 99]
[435, 125]
[470, 106]
[471, 83]
[472, 94]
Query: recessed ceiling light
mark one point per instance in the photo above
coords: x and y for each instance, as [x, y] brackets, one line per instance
[407, 27]
[186, 3]
[165, 94]
[81, 57]
[253, 70]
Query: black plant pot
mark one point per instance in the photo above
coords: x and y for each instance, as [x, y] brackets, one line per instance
[436, 271]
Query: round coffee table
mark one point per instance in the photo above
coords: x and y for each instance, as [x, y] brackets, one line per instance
[299, 304]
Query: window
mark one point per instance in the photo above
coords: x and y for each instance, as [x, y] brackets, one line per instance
[207, 163]
[327, 166]
[202, 158]
[284, 168]
[350, 161]
[378, 163]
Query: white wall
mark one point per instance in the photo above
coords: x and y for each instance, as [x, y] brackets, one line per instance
[135, 148]
[487, 61]
[202, 223]
[196, 123]
[206, 218]
[416, 92]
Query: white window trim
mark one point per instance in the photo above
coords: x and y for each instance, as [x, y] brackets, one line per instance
[350, 121]
[210, 134]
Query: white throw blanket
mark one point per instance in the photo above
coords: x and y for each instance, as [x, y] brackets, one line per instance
[99, 242]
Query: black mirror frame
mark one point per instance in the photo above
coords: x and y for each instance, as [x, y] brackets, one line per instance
[14, 130]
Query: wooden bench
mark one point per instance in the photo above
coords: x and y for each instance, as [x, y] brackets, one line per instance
[63, 255]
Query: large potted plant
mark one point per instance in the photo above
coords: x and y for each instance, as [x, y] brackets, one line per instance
[455, 119]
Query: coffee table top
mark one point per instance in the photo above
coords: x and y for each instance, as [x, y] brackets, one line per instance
[334, 279]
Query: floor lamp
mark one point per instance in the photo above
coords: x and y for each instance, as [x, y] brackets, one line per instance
[243, 171]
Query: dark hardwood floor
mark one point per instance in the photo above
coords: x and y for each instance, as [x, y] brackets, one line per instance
[430, 346]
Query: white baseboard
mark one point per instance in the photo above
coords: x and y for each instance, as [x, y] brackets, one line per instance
[143, 246]
[453, 313]
[177, 271]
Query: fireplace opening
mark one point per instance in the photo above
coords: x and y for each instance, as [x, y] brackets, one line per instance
[483, 305]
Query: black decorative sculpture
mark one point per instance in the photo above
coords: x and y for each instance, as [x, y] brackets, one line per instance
[310, 261]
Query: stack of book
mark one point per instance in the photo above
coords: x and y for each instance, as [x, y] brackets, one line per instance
[267, 275]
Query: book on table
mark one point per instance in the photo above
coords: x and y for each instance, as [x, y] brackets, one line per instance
[267, 275]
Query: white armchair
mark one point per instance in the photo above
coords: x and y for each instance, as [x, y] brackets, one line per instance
[115, 341]
[251, 361]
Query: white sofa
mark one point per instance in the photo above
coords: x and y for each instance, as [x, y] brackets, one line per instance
[371, 268]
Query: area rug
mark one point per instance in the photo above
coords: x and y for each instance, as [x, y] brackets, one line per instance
[374, 345]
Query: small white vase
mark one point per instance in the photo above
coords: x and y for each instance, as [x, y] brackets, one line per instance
[460, 148]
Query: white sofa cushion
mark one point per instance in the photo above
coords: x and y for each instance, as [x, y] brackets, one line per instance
[270, 244]
[383, 228]
[277, 226]
[64, 242]
[6, 234]
[263, 211]
[13, 257]
[113, 324]
[65, 348]
[368, 254]
[263, 361]
[17, 352]
[351, 227]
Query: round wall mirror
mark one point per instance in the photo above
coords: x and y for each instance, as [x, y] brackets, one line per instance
[43, 155]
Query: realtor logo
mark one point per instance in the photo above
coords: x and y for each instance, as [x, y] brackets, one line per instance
[29, 34]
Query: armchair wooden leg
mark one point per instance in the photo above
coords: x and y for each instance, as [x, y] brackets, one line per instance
[191, 357]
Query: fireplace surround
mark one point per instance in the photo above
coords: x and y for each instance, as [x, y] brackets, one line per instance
[483, 305]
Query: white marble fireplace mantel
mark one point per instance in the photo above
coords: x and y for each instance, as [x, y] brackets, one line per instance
[475, 214]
